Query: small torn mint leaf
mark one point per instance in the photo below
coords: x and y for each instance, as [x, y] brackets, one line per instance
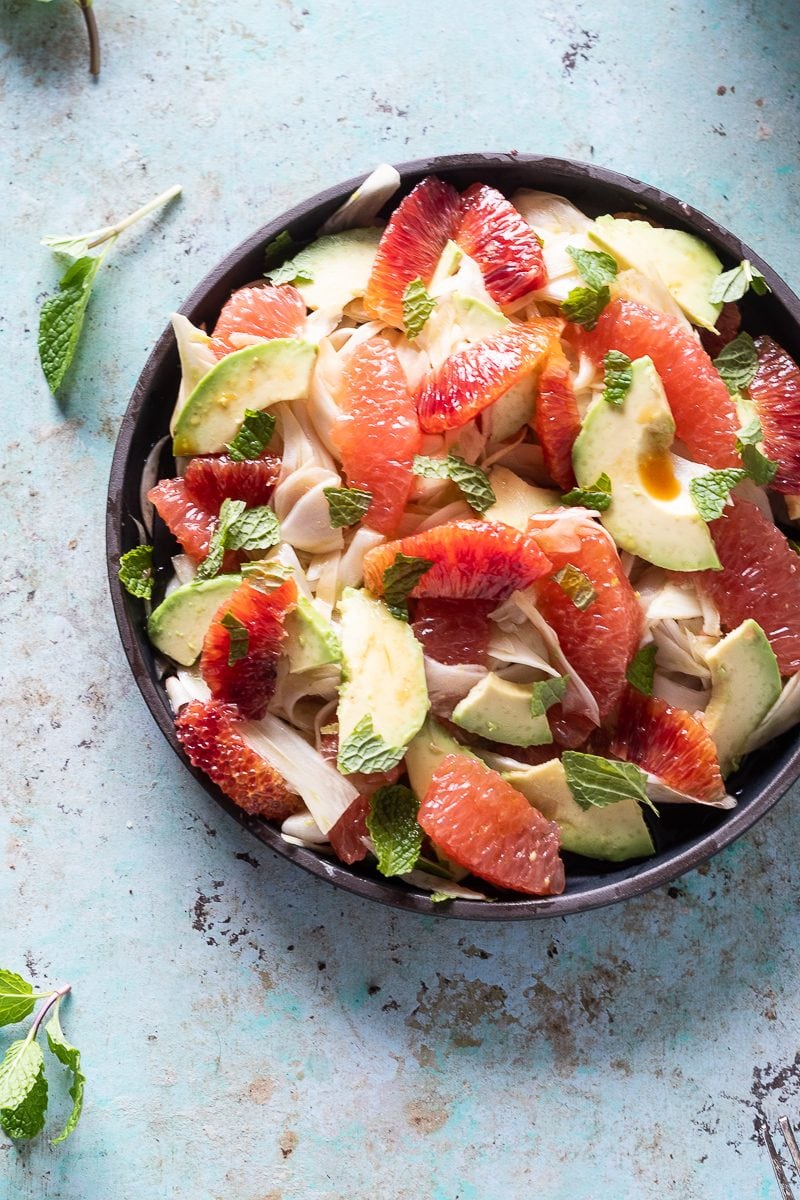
[732, 285]
[546, 693]
[211, 565]
[596, 782]
[710, 491]
[346, 505]
[136, 572]
[596, 267]
[761, 470]
[255, 434]
[279, 249]
[642, 668]
[399, 581]
[238, 637]
[473, 483]
[393, 827]
[418, 304]
[254, 529]
[618, 378]
[576, 585]
[365, 750]
[598, 496]
[431, 468]
[737, 363]
[584, 305]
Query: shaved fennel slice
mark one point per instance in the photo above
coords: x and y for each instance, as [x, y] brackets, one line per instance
[522, 646]
[680, 695]
[678, 649]
[451, 512]
[197, 359]
[366, 202]
[660, 793]
[326, 381]
[577, 698]
[304, 512]
[450, 682]
[150, 477]
[784, 713]
[549, 213]
[302, 829]
[320, 324]
[748, 490]
[467, 280]
[444, 887]
[364, 333]
[662, 597]
[299, 695]
[184, 568]
[323, 576]
[650, 290]
[351, 567]
[415, 362]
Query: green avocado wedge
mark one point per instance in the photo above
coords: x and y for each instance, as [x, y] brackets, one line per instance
[179, 624]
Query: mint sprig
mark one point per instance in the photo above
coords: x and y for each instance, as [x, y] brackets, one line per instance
[762, 470]
[393, 827]
[732, 285]
[546, 693]
[596, 782]
[255, 434]
[577, 585]
[238, 637]
[642, 668]
[598, 496]
[471, 480]
[365, 750]
[418, 304]
[737, 363]
[346, 505]
[399, 581]
[211, 565]
[618, 378]
[136, 572]
[710, 492]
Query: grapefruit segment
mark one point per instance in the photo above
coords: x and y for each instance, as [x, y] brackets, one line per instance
[453, 631]
[775, 391]
[212, 478]
[347, 835]
[556, 420]
[670, 744]
[502, 243]
[484, 825]
[263, 312]
[189, 522]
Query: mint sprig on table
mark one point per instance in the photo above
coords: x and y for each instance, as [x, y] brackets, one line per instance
[62, 315]
[87, 11]
[23, 1084]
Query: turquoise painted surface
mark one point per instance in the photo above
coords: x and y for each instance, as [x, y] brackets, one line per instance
[250, 1034]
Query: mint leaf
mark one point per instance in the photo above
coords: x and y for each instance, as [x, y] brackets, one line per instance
[547, 692]
[710, 492]
[597, 496]
[230, 511]
[289, 273]
[472, 482]
[71, 1058]
[418, 304]
[346, 505]
[576, 585]
[136, 571]
[23, 1089]
[255, 434]
[737, 363]
[279, 249]
[256, 529]
[439, 897]
[431, 468]
[595, 266]
[596, 782]
[642, 668]
[365, 750]
[238, 637]
[732, 285]
[618, 377]
[400, 579]
[61, 319]
[393, 827]
[583, 305]
[762, 470]
[16, 998]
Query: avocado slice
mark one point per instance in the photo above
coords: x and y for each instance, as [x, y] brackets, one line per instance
[477, 320]
[517, 500]
[254, 378]
[652, 513]
[501, 711]
[383, 677]
[425, 751]
[614, 833]
[685, 264]
[745, 683]
[179, 624]
[311, 639]
[339, 266]
[514, 409]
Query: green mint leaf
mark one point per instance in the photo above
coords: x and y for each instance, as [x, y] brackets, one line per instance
[71, 1059]
[365, 750]
[238, 637]
[431, 468]
[279, 249]
[418, 304]
[255, 434]
[737, 363]
[212, 563]
[596, 782]
[642, 668]
[710, 492]
[547, 692]
[399, 581]
[762, 470]
[17, 1000]
[596, 267]
[439, 897]
[279, 266]
[472, 482]
[61, 319]
[732, 285]
[750, 434]
[256, 529]
[393, 827]
[576, 585]
[597, 496]
[23, 1090]
[136, 571]
[618, 377]
[346, 505]
[583, 305]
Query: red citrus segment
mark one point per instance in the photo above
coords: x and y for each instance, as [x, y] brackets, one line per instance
[212, 478]
[775, 391]
[248, 681]
[453, 631]
[411, 246]
[600, 641]
[478, 560]
[210, 734]
[502, 243]
[760, 578]
[347, 835]
[480, 822]
[189, 523]
[670, 744]
[705, 415]
[377, 434]
[262, 311]
[474, 377]
[556, 420]
[728, 324]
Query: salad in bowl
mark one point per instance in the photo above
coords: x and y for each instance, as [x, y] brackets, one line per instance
[476, 550]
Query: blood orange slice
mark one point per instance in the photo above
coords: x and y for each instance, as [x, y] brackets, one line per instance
[264, 312]
[210, 734]
[760, 578]
[347, 835]
[242, 646]
[502, 243]
[189, 522]
[775, 391]
[411, 246]
[478, 560]
[212, 478]
[670, 744]
[728, 324]
[378, 432]
[474, 377]
[453, 631]
[556, 420]
[705, 415]
[480, 822]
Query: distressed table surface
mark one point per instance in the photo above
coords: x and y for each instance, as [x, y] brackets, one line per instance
[250, 1033]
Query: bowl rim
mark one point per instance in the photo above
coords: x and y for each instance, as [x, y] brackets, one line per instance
[630, 881]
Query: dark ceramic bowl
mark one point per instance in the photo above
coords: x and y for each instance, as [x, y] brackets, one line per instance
[686, 836]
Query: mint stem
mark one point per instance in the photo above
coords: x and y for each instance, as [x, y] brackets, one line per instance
[94, 36]
[45, 1009]
[112, 231]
